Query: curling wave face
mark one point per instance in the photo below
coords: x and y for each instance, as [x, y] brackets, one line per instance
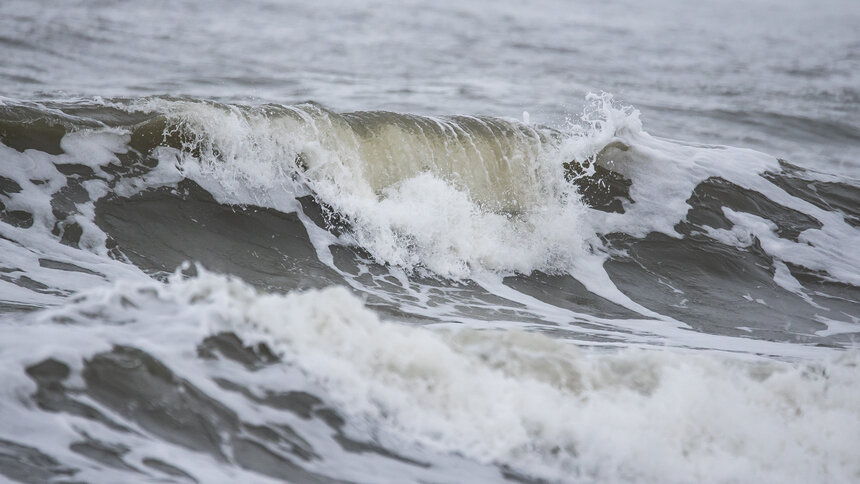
[480, 185]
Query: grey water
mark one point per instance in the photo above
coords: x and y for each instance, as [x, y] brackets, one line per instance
[607, 241]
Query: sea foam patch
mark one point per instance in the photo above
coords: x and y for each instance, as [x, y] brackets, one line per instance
[540, 406]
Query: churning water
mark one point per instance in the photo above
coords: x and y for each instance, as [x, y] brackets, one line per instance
[437, 242]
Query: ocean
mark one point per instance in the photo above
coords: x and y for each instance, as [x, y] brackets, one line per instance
[429, 242]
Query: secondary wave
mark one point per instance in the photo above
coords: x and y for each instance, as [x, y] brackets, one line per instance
[313, 375]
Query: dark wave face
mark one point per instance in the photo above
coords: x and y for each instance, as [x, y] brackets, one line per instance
[205, 278]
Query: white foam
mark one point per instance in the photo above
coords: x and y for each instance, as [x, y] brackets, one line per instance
[93, 148]
[539, 405]
[30, 253]
[517, 397]
[839, 327]
[664, 174]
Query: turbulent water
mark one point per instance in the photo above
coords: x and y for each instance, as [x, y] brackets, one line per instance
[206, 277]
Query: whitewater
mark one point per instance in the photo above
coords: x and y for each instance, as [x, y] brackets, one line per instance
[537, 260]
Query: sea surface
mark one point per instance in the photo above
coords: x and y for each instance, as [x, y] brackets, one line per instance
[430, 242]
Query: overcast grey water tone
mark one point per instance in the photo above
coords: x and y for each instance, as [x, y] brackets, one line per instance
[373, 242]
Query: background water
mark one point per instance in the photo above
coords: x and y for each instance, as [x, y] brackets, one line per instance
[781, 77]
[655, 282]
